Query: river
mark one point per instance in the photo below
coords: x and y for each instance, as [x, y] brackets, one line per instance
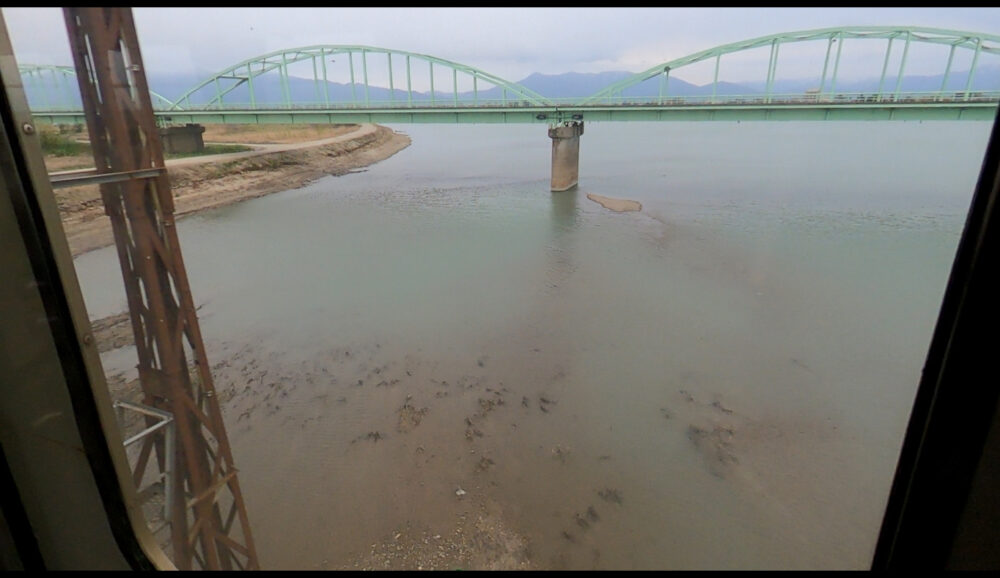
[721, 380]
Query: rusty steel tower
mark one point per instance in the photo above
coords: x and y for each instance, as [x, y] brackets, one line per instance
[209, 528]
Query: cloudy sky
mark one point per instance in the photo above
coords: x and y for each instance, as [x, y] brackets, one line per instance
[508, 42]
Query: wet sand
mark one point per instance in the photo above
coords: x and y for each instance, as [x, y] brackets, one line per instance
[379, 456]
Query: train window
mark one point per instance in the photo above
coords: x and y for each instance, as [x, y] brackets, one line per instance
[319, 299]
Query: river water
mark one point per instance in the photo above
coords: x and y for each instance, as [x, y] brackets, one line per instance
[721, 380]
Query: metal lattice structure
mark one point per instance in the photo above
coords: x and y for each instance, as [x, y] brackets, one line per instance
[976, 42]
[209, 524]
[356, 76]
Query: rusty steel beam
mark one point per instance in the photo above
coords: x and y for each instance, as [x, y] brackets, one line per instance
[125, 140]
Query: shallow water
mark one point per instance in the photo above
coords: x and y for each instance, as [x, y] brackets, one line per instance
[719, 381]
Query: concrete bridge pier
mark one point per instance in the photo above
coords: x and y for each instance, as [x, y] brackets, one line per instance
[183, 139]
[565, 155]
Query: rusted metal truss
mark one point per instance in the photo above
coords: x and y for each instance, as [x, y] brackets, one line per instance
[209, 524]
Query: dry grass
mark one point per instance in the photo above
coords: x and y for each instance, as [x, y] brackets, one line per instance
[54, 164]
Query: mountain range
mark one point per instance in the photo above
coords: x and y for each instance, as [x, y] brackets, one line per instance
[576, 84]
[268, 89]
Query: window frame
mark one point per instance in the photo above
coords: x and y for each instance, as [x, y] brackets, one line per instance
[939, 514]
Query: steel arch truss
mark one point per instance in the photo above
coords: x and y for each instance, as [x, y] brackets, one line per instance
[215, 89]
[977, 42]
[42, 81]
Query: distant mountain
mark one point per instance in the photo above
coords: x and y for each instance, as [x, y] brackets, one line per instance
[571, 83]
[986, 78]
[556, 86]
[171, 86]
[577, 84]
[269, 89]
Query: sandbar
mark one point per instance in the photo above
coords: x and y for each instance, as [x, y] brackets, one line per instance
[617, 205]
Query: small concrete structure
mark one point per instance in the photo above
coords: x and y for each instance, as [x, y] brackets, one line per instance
[182, 139]
[565, 155]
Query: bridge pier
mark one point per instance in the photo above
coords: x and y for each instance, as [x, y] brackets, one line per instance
[182, 139]
[565, 155]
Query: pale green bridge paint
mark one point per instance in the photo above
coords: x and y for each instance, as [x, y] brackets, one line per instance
[62, 84]
[234, 95]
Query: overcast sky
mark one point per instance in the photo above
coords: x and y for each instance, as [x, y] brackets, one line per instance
[508, 42]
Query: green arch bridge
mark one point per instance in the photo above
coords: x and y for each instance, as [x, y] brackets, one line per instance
[370, 84]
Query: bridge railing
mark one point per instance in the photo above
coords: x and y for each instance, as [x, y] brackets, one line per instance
[840, 98]
[440, 103]
[790, 99]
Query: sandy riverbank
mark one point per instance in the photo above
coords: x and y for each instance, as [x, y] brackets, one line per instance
[286, 158]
